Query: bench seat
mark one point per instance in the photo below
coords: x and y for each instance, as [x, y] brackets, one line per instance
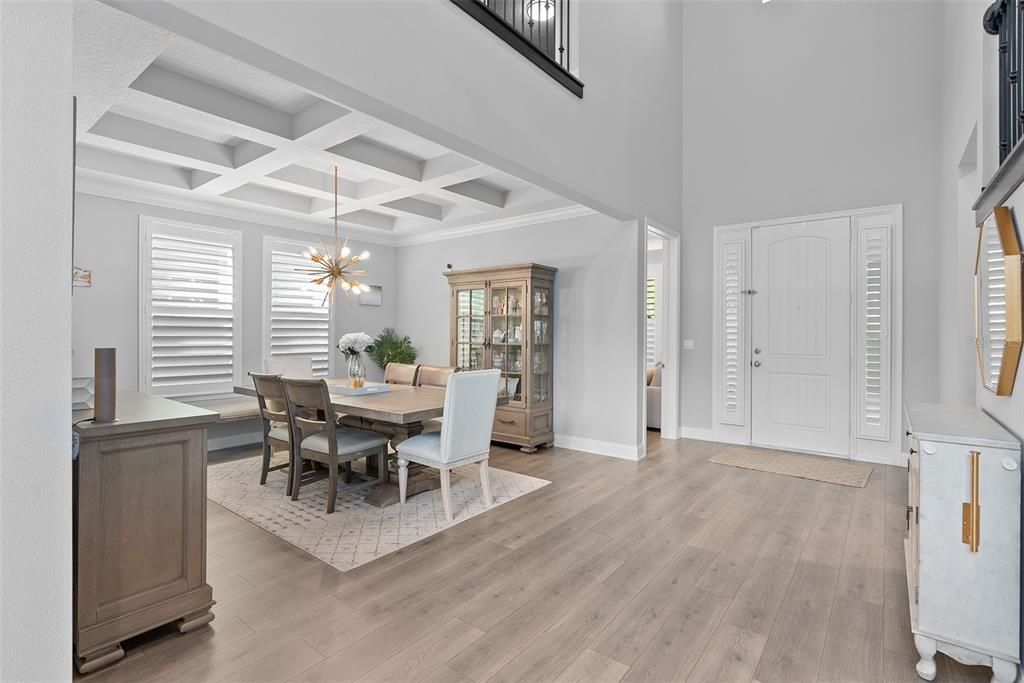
[232, 409]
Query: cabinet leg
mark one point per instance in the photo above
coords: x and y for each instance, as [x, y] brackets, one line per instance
[191, 622]
[529, 449]
[926, 648]
[94, 661]
[1003, 671]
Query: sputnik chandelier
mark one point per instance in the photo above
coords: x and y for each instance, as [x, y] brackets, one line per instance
[334, 268]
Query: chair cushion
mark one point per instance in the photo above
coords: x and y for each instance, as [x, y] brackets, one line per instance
[279, 431]
[349, 441]
[422, 447]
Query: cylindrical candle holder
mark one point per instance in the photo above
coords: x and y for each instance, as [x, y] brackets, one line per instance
[105, 372]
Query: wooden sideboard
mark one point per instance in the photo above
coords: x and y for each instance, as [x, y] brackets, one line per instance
[139, 525]
[963, 539]
[503, 318]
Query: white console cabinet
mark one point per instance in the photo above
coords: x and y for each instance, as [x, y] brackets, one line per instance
[963, 539]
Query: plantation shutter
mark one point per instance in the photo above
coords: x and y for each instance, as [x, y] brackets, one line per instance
[651, 350]
[874, 303]
[732, 391]
[300, 320]
[190, 316]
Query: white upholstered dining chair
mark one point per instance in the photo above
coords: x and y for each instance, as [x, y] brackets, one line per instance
[465, 435]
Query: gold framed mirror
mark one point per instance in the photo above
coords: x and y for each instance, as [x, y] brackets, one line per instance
[998, 301]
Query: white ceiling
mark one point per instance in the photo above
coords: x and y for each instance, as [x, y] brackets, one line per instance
[165, 117]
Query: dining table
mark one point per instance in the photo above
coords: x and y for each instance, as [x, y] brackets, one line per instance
[397, 411]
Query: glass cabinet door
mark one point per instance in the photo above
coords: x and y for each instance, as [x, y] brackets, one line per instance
[470, 328]
[540, 337]
[507, 309]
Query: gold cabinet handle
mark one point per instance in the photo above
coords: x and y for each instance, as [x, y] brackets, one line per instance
[971, 532]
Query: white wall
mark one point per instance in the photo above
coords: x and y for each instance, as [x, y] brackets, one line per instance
[794, 108]
[35, 333]
[107, 314]
[595, 334]
[427, 66]
[970, 99]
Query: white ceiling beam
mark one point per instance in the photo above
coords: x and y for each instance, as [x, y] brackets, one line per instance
[389, 164]
[126, 134]
[369, 219]
[174, 87]
[301, 179]
[484, 197]
[444, 170]
[112, 163]
[270, 197]
[415, 207]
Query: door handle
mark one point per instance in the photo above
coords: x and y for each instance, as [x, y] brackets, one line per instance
[757, 351]
[757, 363]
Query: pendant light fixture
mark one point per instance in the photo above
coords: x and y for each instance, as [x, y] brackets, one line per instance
[334, 268]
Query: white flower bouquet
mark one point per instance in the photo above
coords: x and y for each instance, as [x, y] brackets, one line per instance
[355, 343]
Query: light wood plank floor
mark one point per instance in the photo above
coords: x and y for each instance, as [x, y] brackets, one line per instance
[668, 570]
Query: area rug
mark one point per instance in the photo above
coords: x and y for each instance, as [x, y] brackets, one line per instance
[818, 468]
[356, 532]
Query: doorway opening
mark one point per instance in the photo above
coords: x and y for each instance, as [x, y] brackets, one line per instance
[660, 319]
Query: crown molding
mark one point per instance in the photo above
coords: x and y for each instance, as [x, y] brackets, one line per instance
[495, 225]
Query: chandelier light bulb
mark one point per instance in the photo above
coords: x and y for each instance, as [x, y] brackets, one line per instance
[364, 256]
[345, 251]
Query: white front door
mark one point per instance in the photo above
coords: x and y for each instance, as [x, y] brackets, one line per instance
[800, 341]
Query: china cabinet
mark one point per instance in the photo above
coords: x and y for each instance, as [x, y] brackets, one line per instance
[963, 538]
[501, 318]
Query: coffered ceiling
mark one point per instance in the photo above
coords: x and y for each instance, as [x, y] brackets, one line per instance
[166, 117]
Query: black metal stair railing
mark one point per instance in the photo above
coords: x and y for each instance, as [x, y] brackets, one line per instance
[537, 29]
[1004, 18]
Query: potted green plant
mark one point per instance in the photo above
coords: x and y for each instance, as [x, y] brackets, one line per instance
[391, 347]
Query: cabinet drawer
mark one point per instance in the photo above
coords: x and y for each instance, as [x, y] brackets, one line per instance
[510, 422]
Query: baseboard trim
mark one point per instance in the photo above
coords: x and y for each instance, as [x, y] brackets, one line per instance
[598, 447]
[698, 433]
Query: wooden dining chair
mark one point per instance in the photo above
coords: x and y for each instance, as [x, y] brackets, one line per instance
[465, 435]
[321, 440]
[401, 373]
[274, 418]
[434, 376]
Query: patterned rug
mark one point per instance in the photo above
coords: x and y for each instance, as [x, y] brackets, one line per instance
[356, 532]
[816, 467]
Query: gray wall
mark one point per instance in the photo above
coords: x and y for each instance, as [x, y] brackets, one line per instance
[595, 313]
[107, 314]
[793, 108]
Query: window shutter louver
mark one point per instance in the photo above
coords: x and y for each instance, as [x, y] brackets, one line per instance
[190, 323]
[873, 363]
[732, 393]
[651, 350]
[300, 321]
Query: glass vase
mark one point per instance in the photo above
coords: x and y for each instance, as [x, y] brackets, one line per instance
[356, 371]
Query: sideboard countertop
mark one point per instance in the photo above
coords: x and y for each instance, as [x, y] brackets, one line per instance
[137, 412]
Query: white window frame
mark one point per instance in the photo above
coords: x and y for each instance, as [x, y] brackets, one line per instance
[269, 244]
[146, 229]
